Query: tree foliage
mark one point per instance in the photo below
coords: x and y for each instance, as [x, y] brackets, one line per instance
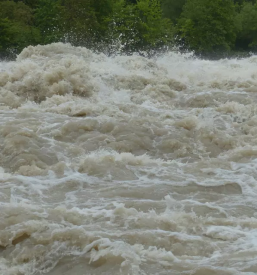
[5, 35]
[247, 37]
[78, 20]
[208, 25]
[205, 26]
[172, 9]
[140, 26]
[16, 26]
[48, 20]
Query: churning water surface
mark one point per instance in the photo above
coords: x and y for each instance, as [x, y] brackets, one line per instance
[127, 165]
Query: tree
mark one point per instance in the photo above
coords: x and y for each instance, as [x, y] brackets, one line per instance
[48, 20]
[18, 12]
[79, 21]
[172, 9]
[5, 35]
[208, 25]
[140, 26]
[241, 2]
[29, 3]
[247, 38]
[102, 8]
[17, 30]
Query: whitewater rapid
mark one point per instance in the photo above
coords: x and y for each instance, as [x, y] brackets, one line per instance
[127, 165]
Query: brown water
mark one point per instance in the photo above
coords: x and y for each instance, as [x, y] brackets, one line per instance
[127, 165]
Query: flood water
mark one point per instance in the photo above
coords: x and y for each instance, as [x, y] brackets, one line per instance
[127, 165]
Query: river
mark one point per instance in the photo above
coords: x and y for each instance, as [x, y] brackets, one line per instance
[127, 165]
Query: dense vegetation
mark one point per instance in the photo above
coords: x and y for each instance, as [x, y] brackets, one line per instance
[204, 26]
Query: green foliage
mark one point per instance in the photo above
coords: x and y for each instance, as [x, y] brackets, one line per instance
[102, 8]
[205, 26]
[140, 26]
[247, 38]
[241, 2]
[172, 9]
[155, 29]
[79, 21]
[30, 3]
[22, 35]
[208, 25]
[48, 20]
[17, 12]
[5, 35]
[17, 30]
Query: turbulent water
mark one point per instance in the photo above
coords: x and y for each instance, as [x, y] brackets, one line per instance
[127, 165]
